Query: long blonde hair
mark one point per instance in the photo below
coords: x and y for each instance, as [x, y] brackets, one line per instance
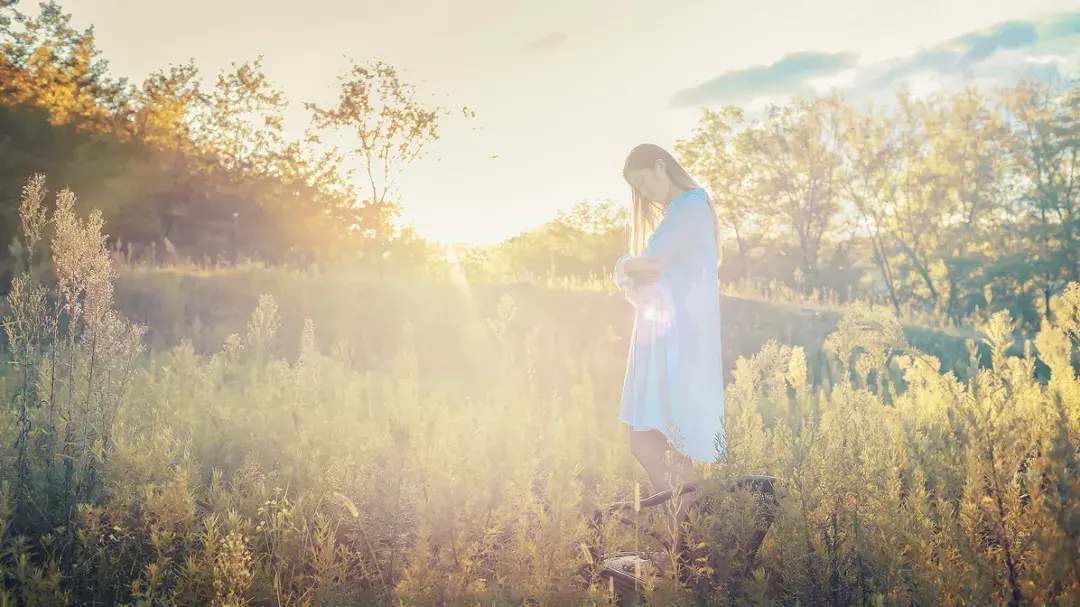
[645, 215]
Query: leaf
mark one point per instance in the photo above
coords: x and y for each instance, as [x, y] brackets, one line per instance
[585, 551]
[344, 501]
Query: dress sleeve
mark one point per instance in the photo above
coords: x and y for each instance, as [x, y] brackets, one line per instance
[621, 279]
[679, 227]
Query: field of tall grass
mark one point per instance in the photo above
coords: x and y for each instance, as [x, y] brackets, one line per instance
[459, 466]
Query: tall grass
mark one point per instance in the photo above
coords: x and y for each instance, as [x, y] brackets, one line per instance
[239, 478]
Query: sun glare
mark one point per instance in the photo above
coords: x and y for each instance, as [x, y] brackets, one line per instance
[451, 256]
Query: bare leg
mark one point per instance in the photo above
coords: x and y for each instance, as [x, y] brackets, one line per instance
[666, 468]
[649, 452]
[684, 473]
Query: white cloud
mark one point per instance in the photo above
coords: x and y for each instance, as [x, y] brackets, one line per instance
[840, 80]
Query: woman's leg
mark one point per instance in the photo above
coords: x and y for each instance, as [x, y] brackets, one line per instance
[648, 450]
[683, 469]
[667, 468]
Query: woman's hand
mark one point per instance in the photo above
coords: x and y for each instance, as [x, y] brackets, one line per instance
[643, 270]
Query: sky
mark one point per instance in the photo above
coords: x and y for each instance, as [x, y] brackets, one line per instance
[563, 89]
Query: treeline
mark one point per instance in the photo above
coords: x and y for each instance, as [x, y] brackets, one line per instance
[203, 168]
[954, 203]
[949, 205]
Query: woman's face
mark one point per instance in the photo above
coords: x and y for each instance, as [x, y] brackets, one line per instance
[651, 184]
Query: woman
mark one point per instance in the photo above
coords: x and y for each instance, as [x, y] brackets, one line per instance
[673, 395]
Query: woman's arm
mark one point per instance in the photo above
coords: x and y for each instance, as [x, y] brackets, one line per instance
[680, 225]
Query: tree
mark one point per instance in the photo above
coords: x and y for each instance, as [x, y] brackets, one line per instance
[209, 169]
[1044, 152]
[594, 233]
[48, 64]
[969, 154]
[386, 129]
[164, 107]
[242, 123]
[720, 153]
[581, 243]
[913, 212]
[799, 154]
[873, 162]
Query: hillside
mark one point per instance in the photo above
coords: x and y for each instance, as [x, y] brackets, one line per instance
[446, 320]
